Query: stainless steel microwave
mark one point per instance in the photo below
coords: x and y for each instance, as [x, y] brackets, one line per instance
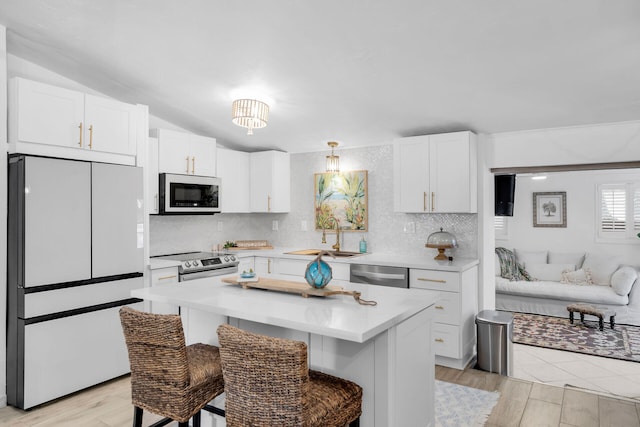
[189, 194]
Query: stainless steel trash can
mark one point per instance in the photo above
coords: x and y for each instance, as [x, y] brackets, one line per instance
[495, 341]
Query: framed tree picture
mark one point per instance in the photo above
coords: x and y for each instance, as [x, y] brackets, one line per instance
[550, 209]
[341, 198]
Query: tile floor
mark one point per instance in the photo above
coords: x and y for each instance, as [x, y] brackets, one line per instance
[559, 368]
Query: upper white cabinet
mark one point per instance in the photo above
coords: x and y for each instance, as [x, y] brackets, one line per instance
[56, 118]
[233, 169]
[185, 153]
[436, 173]
[153, 191]
[270, 182]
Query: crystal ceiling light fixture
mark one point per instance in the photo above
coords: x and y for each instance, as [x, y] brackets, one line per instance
[250, 113]
[333, 161]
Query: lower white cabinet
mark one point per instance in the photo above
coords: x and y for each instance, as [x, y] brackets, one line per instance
[453, 315]
[246, 264]
[163, 277]
[265, 265]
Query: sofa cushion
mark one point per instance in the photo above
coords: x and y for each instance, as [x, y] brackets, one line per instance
[554, 290]
[601, 267]
[575, 258]
[530, 257]
[551, 272]
[623, 279]
[578, 277]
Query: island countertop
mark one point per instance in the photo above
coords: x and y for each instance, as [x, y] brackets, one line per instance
[338, 316]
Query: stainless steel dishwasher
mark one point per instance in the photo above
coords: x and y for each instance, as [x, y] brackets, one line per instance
[380, 275]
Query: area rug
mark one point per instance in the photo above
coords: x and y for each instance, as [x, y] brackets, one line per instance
[623, 342]
[461, 406]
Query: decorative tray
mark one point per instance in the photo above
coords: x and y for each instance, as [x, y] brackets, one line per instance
[296, 288]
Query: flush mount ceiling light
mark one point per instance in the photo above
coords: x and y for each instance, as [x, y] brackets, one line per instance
[333, 161]
[250, 113]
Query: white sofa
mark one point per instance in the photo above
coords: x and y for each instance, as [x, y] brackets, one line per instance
[592, 278]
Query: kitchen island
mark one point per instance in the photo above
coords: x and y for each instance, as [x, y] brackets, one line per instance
[385, 348]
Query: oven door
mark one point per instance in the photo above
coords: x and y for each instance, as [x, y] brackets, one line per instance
[208, 273]
[189, 194]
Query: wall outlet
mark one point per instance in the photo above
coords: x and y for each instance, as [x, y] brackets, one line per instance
[274, 225]
[303, 225]
[409, 228]
[220, 225]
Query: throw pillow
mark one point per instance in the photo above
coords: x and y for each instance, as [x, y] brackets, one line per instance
[578, 277]
[623, 279]
[602, 267]
[575, 258]
[549, 272]
[530, 257]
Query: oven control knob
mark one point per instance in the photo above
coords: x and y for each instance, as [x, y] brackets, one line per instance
[226, 259]
[187, 264]
[233, 258]
[194, 263]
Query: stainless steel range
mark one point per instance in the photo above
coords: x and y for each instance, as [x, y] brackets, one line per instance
[195, 265]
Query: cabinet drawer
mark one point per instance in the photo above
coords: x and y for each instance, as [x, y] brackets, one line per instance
[434, 280]
[164, 276]
[446, 340]
[447, 309]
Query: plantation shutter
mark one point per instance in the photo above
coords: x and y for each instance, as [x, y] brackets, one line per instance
[613, 199]
[500, 226]
[636, 209]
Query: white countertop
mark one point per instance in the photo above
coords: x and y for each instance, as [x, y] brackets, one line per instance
[424, 261]
[338, 316]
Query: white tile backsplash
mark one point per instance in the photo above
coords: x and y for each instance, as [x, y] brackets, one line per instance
[388, 231]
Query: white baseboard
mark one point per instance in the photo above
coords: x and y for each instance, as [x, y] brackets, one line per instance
[3, 400]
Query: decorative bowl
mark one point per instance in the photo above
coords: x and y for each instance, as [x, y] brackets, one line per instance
[245, 275]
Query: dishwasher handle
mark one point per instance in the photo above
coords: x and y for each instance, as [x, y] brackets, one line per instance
[384, 276]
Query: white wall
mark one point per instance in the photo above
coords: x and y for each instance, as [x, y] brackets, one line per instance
[3, 217]
[582, 204]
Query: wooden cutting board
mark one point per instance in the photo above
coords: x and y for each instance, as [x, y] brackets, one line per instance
[288, 286]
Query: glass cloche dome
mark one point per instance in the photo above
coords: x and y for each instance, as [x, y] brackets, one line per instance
[441, 240]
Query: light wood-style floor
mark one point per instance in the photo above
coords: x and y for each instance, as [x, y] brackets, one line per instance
[522, 404]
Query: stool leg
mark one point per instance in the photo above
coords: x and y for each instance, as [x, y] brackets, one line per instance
[183, 424]
[355, 423]
[582, 317]
[137, 417]
[571, 317]
[196, 419]
[601, 323]
[612, 321]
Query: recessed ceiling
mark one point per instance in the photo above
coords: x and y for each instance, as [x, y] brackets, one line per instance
[357, 72]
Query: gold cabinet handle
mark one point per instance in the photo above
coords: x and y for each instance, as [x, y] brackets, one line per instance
[433, 201]
[424, 279]
[424, 201]
[167, 277]
[91, 137]
[80, 127]
[157, 202]
[269, 266]
[268, 203]
[439, 340]
[439, 307]
[187, 159]
[193, 165]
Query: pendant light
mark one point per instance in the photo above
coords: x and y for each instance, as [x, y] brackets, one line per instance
[333, 161]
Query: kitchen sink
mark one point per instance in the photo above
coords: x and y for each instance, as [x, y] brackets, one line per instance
[337, 254]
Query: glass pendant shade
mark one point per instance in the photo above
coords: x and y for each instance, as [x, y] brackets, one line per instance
[250, 113]
[333, 161]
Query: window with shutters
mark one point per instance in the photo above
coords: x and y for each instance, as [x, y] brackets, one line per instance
[500, 225]
[618, 212]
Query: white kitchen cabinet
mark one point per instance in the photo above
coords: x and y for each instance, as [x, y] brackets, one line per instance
[233, 169]
[246, 264]
[270, 181]
[297, 267]
[265, 265]
[153, 193]
[453, 314]
[52, 117]
[436, 173]
[184, 153]
[163, 277]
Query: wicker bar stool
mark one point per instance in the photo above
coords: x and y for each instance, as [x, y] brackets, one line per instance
[168, 377]
[268, 383]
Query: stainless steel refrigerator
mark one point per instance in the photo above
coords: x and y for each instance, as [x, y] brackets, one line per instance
[75, 251]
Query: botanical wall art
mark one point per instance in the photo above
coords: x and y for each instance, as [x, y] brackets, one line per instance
[550, 209]
[341, 198]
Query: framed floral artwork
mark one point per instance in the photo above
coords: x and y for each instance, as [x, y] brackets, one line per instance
[341, 198]
[550, 209]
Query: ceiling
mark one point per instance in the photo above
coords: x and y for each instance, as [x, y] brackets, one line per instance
[358, 72]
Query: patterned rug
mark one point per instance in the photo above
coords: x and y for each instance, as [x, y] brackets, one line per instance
[623, 342]
[461, 406]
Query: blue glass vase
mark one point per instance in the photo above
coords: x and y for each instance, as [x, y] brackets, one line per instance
[318, 273]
